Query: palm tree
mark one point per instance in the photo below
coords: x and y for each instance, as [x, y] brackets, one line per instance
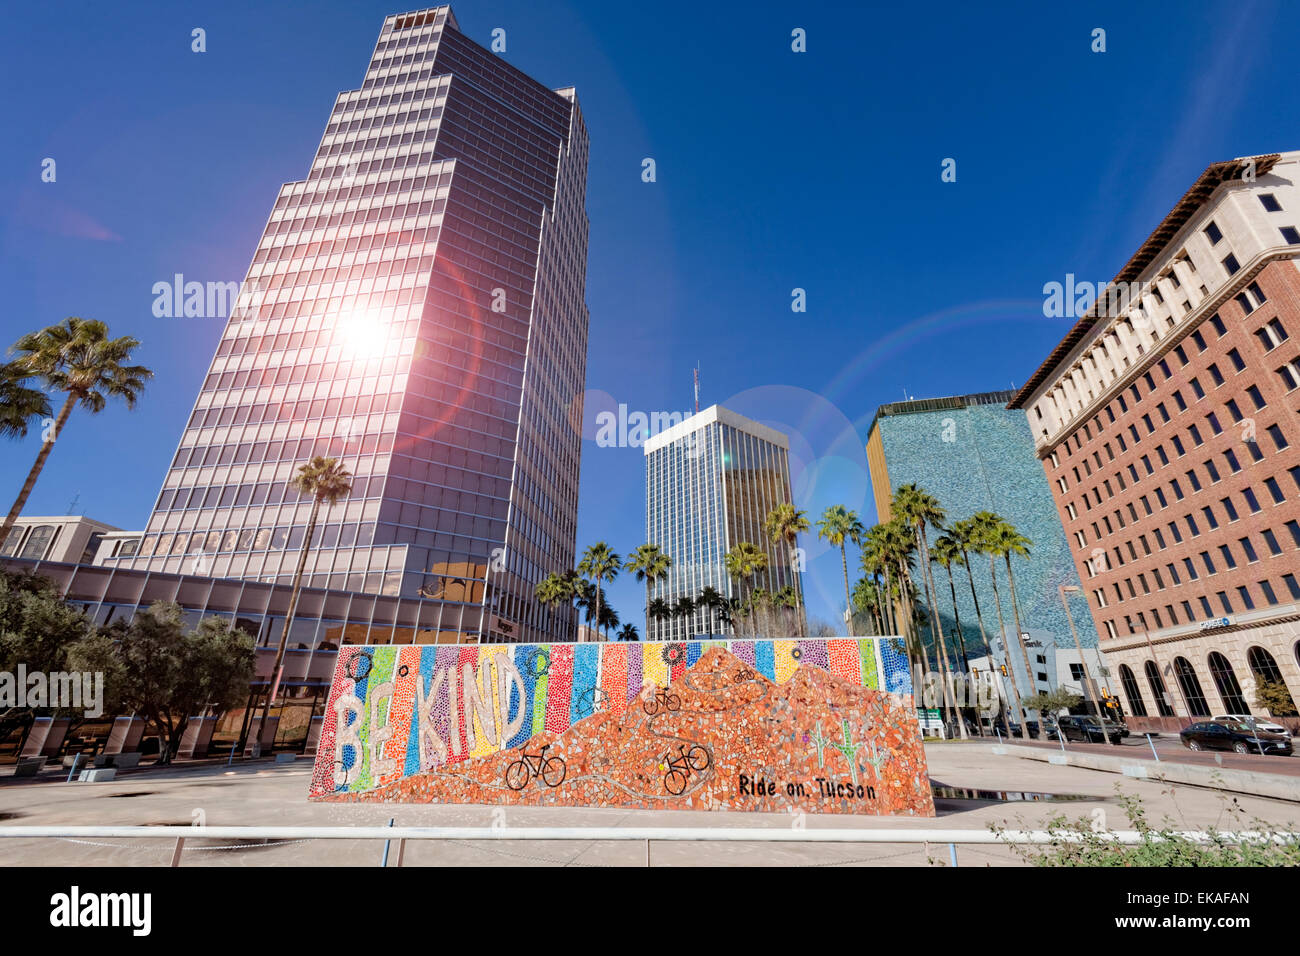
[683, 609]
[608, 618]
[743, 562]
[1004, 540]
[788, 598]
[877, 560]
[556, 589]
[76, 357]
[659, 610]
[650, 564]
[710, 599]
[784, 524]
[982, 524]
[728, 611]
[945, 553]
[629, 633]
[866, 598]
[326, 481]
[599, 562]
[838, 525]
[920, 509]
[20, 405]
[965, 535]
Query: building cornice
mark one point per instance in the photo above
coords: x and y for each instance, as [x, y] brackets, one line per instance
[1207, 306]
[1214, 176]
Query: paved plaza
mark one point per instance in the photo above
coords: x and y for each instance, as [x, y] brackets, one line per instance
[263, 793]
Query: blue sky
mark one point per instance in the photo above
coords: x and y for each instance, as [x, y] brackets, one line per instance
[775, 170]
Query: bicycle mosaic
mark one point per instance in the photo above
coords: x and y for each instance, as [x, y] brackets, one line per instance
[758, 725]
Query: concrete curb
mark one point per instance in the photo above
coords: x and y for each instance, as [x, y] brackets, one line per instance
[1276, 786]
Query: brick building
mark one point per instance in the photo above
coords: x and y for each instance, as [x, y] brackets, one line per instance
[1166, 421]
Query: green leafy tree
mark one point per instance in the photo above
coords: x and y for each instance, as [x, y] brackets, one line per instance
[167, 675]
[76, 357]
[37, 630]
[783, 525]
[839, 525]
[1273, 696]
[1053, 701]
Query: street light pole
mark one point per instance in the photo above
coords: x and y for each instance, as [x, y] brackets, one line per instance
[1083, 663]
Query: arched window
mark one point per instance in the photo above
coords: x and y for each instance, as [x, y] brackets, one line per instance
[38, 542]
[15, 538]
[1264, 667]
[1191, 687]
[1226, 681]
[1132, 691]
[1158, 690]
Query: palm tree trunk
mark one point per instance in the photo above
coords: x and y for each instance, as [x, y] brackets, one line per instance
[798, 596]
[905, 594]
[44, 453]
[931, 595]
[848, 601]
[1006, 649]
[597, 620]
[965, 658]
[1015, 610]
[890, 611]
[956, 616]
[288, 617]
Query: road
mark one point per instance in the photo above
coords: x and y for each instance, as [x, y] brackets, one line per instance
[1171, 748]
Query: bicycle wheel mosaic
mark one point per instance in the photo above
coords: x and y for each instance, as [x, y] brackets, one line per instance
[710, 725]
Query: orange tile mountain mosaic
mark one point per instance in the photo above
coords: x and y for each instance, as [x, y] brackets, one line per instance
[818, 725]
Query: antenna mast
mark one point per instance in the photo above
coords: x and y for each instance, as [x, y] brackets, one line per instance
[697, 388]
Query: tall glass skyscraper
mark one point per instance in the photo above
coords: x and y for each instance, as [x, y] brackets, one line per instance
[711, 482]
[416, 308]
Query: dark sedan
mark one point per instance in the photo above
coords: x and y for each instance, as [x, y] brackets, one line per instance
[1237, 737]
[1088, 730]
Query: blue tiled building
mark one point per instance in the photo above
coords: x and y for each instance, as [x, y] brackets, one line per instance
[974, 454]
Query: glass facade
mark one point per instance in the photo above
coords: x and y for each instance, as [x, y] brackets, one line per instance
[710, 483]
[415, 308]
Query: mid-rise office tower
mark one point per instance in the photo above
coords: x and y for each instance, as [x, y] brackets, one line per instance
[974, 454]
[1166, 424]
[711, 482]
[415, 308]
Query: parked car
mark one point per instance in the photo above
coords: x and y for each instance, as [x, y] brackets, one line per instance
[1212, 735]
[1265, 725]
[1075, 727]
[1031, 725]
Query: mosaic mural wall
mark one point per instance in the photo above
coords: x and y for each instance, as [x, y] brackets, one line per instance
[823, 726]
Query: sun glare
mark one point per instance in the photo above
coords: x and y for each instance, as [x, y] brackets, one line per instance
[363, 335]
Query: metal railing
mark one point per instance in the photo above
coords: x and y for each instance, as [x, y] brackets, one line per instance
[952, 838]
